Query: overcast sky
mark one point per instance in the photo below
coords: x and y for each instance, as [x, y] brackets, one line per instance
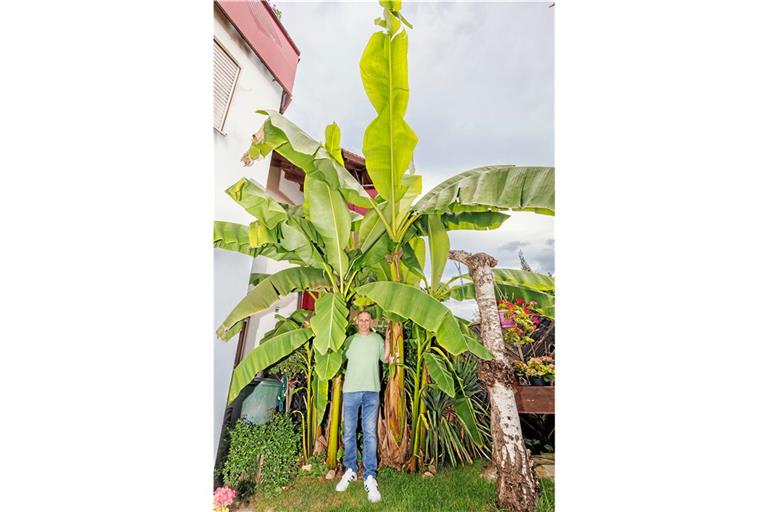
[482, 93]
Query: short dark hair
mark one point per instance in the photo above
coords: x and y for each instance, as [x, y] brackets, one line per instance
[370, 315]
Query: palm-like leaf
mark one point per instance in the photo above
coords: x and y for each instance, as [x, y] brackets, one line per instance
[330, 323]
[281, 135]
[265, 355]
[530, 189]
[258, 202]
[388, 142]
[545, 301]
[330, 216]
[326, 365]
[232, 237]
[412, 303]
[269, 291]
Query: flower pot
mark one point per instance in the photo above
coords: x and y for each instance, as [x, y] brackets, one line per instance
[506, 323]
[537, 381]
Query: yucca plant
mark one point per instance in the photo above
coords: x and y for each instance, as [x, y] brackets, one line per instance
[446, 438]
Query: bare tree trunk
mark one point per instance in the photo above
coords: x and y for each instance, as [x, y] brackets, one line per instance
[516, 484]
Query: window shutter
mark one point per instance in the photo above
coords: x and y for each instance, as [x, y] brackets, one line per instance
[225, 73]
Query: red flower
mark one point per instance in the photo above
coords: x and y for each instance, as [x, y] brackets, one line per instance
[520, 300]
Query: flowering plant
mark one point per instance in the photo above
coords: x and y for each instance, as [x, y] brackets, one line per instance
[223, 498]
[543, 367]
[526, 319]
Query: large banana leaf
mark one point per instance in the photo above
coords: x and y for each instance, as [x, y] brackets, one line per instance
[330, 323]
[439, 245]
[232, 237]
[528, 279]
[269, 291]
[544, 301]
[331, 218]
[531, 280]
[478, 221]
[388, 142]
[326, 365]
[264, 356]
[281, 135]
[440, 375]
[258, 202]
[530, 189]
[412, 303]
[296, 240]
[478, 348]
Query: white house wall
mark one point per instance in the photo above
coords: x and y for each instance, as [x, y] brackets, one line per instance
[255, 89]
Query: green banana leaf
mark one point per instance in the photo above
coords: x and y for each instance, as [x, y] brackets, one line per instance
[388, 142]
[478, 349]
[477, 221]
[296, 240]
[258, 202]
[259, 234]
[257, 277]
[321, 398]
[331, 218]
[439, 245]
[264, 356]
[525, 278]
[532, 280]
[330, 322]
[326, 365]
[412, 303]
[281, 135]
[333, 142]
[544, 301]
[269, 291]
[530, 189]
[232, 237]
[440, 375]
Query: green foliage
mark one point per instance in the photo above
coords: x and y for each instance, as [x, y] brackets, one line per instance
[319, 467]
[262, 455]
[447, 439]
[290, 366]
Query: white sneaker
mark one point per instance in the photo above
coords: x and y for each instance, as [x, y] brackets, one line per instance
[349, 476]
[370, 484]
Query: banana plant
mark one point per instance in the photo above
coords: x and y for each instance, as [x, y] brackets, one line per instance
[336, 267]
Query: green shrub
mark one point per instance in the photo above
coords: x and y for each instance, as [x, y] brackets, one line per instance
[264, 455]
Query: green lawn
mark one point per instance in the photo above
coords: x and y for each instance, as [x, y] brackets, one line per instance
[460, 489]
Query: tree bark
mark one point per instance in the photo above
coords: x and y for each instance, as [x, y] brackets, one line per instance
[516, 485]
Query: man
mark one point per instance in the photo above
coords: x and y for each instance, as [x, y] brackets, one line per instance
[363, 352]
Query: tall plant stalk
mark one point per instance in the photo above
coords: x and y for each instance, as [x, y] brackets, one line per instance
[333, 423]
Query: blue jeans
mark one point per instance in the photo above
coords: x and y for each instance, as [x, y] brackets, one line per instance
[369, 401]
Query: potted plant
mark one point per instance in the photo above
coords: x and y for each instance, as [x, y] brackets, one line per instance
[540, 371]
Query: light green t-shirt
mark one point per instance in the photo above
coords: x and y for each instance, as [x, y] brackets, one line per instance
[363, 354]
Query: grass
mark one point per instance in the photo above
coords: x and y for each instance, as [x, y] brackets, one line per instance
[459, 489]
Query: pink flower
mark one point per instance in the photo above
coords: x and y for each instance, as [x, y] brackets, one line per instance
[223, 497]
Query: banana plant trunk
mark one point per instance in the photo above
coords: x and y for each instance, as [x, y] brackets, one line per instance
[333, 423]
[393, 435]
[516, 485]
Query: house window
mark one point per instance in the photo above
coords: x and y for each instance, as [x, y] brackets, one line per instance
[225, 73]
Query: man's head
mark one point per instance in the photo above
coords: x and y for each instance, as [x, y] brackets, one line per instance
[364, 320]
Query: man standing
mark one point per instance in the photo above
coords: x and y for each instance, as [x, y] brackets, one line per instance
[361, 389]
